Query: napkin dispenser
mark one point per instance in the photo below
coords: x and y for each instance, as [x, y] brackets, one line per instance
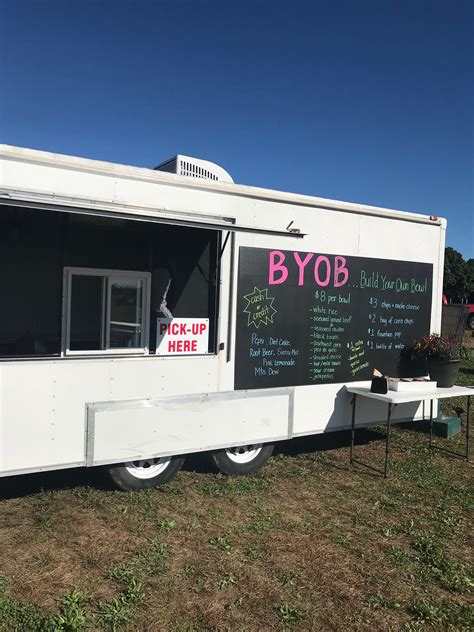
[379, 383]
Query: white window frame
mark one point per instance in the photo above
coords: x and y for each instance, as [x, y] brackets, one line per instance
[108, 277]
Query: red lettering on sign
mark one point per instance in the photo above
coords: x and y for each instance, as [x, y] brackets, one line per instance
[182, 336]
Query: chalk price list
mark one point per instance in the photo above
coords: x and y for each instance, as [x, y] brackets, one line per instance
[389, 323]
[312, 318]
[390, 320]
[271, 355]
[328, 321]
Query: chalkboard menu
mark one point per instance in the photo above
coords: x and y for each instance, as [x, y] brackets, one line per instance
[312, 318]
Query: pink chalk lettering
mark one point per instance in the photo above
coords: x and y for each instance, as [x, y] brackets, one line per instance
[340, 269]
[277, 266]
[317, 278]
[302, 265]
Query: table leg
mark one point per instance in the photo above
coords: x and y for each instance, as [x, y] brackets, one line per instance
[387, 440]
[431, 423]
[354, 398]
[468, 415]
[465, 453]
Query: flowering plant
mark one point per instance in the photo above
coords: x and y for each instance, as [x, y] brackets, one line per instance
[439, 347]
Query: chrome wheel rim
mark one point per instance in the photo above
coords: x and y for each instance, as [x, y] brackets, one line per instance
[148, 468]
[244, 453]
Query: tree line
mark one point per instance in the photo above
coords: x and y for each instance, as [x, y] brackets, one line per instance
[458, 284]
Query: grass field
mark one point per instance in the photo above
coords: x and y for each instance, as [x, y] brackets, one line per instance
[308, 544]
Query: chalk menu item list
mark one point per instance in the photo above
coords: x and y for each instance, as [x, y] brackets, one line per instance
[312, 318]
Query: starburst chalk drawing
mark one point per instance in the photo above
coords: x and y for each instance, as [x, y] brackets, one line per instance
[259, 308]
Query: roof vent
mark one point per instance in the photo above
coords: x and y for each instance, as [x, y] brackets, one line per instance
[194, 168]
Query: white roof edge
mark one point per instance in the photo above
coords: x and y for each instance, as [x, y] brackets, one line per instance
[23, 154]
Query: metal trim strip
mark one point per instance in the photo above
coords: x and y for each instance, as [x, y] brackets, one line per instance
[145, 214]
[130, 404]
[45, 468]
[291, 412]
[95, 407]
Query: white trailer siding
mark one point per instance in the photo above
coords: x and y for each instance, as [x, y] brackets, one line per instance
[45, 404]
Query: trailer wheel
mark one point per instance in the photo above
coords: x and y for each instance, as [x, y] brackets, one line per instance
[136, 475]
[243, 459]
[470, 321]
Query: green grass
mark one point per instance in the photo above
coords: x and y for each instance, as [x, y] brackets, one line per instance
[221, 543]
[166, 524]
[451, 573]
[443, 615]
[290, 614]
[309, 543]
[226, 581]
[286, 578]
[231, 488]
[379, 600]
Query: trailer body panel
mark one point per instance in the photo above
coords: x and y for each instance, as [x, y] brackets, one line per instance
[45, 402]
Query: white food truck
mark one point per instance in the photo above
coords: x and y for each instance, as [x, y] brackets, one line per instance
[147, 314]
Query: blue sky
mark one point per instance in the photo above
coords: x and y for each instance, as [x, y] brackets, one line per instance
[368, 101]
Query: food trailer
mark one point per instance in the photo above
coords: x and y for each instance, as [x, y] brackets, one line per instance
[152, 313]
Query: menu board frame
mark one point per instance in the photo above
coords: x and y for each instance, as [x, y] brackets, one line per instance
[313, 318]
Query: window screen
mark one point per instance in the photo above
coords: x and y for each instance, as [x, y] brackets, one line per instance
[106, 310]
[86, 313]
[126, 324]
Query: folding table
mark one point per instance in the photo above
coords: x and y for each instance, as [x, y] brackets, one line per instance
[393, 399]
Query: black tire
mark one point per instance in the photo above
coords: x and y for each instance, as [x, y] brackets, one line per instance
[123, 477]
[470, 321]
[226, 460]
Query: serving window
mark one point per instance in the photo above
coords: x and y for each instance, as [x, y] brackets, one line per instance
[105, 310]
[77, 284]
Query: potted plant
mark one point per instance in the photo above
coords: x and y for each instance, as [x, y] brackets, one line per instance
[443, 356]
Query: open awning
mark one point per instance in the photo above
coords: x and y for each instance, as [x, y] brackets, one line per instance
[30, 199]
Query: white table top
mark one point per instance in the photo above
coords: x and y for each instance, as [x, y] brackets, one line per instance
[401, 397]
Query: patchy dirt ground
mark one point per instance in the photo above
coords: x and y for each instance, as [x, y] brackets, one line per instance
[309, 543]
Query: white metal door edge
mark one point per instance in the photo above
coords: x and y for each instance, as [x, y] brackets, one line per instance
[126, 426]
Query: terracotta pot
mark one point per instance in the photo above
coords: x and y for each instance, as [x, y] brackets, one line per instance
[444, 372]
